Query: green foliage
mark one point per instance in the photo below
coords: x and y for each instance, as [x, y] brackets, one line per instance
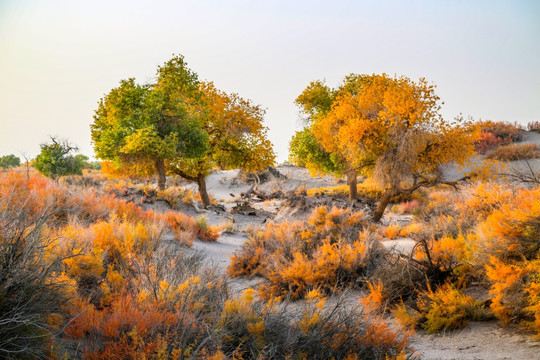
[141, 126]
[9, 161]
[306, 151]
[179, 125]
[55, 159]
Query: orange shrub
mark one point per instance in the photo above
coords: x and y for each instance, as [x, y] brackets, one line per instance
[391, 231]
[330, 251]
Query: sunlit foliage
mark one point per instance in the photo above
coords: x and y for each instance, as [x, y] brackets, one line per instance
[388, 128]
[237, 138]
[139, 127]
[333, 250]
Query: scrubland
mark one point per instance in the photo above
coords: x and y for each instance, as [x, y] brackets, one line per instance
[100, 268]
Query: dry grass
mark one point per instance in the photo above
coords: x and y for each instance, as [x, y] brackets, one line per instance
[514, 152]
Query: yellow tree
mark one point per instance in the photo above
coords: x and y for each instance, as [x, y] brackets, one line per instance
[305, 149]
[391, 129]
[236, 138]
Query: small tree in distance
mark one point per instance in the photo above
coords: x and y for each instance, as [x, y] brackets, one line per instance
[56, 159]
[9, 161]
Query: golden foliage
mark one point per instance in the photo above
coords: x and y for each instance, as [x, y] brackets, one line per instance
[331, 250]
[444, 309]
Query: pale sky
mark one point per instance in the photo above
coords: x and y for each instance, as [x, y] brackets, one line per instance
[58, 58]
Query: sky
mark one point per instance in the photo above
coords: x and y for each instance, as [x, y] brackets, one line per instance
[58, 58]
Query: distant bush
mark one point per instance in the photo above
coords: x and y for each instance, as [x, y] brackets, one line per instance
[408, 207]
[493, 134]
[534, 126]
[514, 152]
[9, 161]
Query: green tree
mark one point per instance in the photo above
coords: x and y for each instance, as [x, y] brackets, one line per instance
[236, 138]
[56, 159]
[386, 128]
[9, 161]
[141, 127]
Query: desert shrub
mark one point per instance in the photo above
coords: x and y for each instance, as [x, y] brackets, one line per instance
[410, 229]
[89, 179]
[514, 152]
[90, 206]
[400, 278]
[32, 296]
[486, 141]
[493, 134]
[516, 292]
[510, 231]
[408, 207]
[332, 250]
[166, 307]
[254, 329]
[206, 232]
[391, 231]
[444, 309]
[534, 126]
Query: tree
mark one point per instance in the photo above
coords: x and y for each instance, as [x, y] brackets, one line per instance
[236, 138]
[305, 148]
[55, 159]
[141, 127]
[9, 161]
[387, 128]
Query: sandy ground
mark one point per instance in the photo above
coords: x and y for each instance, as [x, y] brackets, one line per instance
[486, 340]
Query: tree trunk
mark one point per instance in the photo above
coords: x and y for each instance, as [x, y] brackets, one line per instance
[160, 169]
[201, 181]
[351, 180]
[381, 206]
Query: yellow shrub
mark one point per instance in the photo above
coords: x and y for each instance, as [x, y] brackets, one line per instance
[391, 231]
[444, 309]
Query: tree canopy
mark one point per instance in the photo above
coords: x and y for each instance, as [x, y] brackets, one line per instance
[380, 126]
[179, 125]
[140, 127]
[236, 138]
